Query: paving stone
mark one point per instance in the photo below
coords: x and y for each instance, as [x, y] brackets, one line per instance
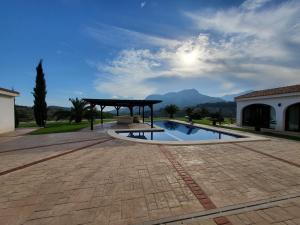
[121, 182]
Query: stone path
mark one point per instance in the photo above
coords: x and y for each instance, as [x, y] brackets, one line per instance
[119, 182]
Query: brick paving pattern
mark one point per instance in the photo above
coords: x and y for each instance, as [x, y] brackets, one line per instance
[194, 187]
[232, 175]
[119, 182]
[283, 214]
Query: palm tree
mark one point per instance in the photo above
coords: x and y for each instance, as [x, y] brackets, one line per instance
[78, 110]
[171, 110]
[62, 115]
[189, 111]
[217, 117]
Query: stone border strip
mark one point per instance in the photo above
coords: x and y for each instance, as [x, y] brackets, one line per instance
[51, 157]
[226, 211]
[269, 155]
[198, 192]
[42, 146]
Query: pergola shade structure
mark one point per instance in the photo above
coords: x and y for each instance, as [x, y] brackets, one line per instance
[118, 103]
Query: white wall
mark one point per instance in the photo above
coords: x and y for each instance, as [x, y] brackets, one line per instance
[274, 101]
[7, 114]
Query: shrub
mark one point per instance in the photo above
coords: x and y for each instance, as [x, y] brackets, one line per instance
[171, 110]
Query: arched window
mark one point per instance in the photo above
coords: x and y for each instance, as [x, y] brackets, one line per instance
[259, 115]
[292, 117]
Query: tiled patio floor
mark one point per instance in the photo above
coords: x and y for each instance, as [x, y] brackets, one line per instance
[119, 182]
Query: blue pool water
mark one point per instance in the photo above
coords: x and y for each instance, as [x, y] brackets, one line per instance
[178, 132]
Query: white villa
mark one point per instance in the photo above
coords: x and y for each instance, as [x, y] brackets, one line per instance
[7, 110]
[277, 108]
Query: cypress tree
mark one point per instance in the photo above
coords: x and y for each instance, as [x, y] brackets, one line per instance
[39, 94]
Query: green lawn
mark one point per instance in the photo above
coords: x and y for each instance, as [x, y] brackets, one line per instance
[61, 127]
[27, 124]
[205, 121]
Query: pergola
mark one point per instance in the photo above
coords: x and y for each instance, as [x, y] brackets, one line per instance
[118, 103]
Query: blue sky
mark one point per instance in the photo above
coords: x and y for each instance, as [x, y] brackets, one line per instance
[130, 49]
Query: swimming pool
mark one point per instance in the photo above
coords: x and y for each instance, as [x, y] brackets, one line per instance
[174, 131]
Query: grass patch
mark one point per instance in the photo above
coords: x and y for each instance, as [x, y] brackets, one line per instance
[62, 127]
[27, 124]
[204, 121]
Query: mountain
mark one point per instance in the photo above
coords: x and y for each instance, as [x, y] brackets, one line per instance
[184, 98]
[231, 97]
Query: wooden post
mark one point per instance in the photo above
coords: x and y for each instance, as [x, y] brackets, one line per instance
[139, 110]
[143, 114]
[151, 116]
[101, 113]
[131, 110]
[92, 117]
[117, 109]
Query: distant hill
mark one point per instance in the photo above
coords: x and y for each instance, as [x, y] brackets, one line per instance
[230, 98]
[184, 98]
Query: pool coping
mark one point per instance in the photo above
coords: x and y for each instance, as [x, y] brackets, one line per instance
[246, 137]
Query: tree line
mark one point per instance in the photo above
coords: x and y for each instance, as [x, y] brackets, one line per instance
[78, 111]
[196, 113]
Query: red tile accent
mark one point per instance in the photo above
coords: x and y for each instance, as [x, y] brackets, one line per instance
[202, 197]
[221, 220]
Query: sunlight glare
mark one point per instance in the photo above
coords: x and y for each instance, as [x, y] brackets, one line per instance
[189, 58]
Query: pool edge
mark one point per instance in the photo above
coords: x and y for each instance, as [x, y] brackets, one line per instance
[246, 137]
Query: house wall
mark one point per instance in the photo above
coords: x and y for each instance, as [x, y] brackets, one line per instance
[278, 102]
[7, 114]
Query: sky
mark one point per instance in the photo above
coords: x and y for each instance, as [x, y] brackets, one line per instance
[132, 48]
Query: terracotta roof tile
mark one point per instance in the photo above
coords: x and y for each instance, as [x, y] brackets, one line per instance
[273, 91]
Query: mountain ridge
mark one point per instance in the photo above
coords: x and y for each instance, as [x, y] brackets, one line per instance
[183, 98]
[190, 97]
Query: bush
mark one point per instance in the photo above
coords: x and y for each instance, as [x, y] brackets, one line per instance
[171, 110]
[200, 113]
[217, 117]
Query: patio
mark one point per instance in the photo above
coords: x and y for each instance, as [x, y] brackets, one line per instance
[90, 178]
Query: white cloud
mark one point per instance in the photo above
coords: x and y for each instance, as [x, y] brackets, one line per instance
[143, 4]
[117, 36]
[266, 23]
[126, 73]
[253, 4]
[253, 48]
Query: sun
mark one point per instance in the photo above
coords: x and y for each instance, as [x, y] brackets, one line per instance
[189, 58]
